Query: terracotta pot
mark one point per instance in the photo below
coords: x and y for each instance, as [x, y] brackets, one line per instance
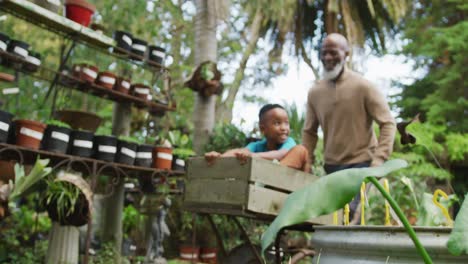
[122, 85]
[7, 171]
[4, 39]
[141, 91]
[106, 79]
[29, 133]
[79, 119]
[79, 11]
[189, 253]
[88, 72]
[208, 255]
[162, 158]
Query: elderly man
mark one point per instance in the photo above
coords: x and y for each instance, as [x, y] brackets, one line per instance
[344, 105]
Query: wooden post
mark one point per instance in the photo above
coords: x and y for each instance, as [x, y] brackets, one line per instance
[63, 244]
[113, 206]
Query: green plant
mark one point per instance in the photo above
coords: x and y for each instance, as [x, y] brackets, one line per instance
[458, 240]
[130, 219]
[58, 123]
[106, 255]
[224, 137]
[130, 139]
[23, 183]
[333, 192]
[63, 195]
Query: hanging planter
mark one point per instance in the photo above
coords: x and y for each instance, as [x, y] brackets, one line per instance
[138, 50]
[52, 5]
[122, 85]
[5, 124]
[4, 39]
[56, 137]
[124, 41]
[106, 79]
[34, 61]
[79, 11]
[156, 54]
[81, 143]
[162, 158]
[69, 200]
[79, 120]
[29, 133]
[105, 148]
[144, 155]
[141, 91]
[126, 152]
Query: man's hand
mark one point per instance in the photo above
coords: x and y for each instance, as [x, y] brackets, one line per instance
[210, 157]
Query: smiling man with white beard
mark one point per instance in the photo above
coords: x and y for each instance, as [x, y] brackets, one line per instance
[345, 105]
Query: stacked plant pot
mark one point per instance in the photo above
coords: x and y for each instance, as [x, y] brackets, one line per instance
[141, 90]
[88, 73]
[29, 133]
[56, 139]
[126, 152]
[122, 85]
[105, 148]
[106, 79]
[144, 155]
[162, 157]
[81, 143]
[5, 125]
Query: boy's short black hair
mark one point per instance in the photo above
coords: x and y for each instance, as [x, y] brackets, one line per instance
[267, 108]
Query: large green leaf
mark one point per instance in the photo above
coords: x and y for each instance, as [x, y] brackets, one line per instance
[24, 183]
[458, 240]
[324, 196]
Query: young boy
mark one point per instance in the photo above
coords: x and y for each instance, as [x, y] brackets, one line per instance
[276, 144]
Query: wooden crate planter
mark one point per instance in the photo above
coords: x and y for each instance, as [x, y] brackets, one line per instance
[256, 189]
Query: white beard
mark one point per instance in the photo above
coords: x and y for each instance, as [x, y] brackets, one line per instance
[332, 74]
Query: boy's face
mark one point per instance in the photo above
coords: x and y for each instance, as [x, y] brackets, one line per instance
[275, 125]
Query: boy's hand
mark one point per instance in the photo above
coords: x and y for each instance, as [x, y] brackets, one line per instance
[242, 155]
[210, 157]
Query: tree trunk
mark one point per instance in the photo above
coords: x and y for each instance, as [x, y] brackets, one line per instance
[224, 110]
[206, 47]
[113, 205]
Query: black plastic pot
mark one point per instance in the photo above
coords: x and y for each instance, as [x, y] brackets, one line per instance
[5, 125]
[81, 143]
[178, 163]
[56, 139]
[34, 59]
[19, 48]
[126, 152]
[156, 54]
[124, 41]
[144, 156]
[4, 39]
[139, 48]
[105, 148]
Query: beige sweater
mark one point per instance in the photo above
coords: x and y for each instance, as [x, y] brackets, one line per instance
[346, 110]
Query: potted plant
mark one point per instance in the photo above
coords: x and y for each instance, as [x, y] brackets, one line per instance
[141, 90]
[122, 85]
[56, 136]
[29, 133]
[79, 120]
[182, 151]
[106, 79]
[81, 143]
[33, 61]
[18, 48]
[138, 50]
[162, 157]
[88, 72]
[68, 199]
[124, 41]
[156, 54]
[105, 147]
[5, 123]
[4, 39]
[126, 150]
[144, 155]
[79, 11]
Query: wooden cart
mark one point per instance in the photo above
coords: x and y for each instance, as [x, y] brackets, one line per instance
[256, 189]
